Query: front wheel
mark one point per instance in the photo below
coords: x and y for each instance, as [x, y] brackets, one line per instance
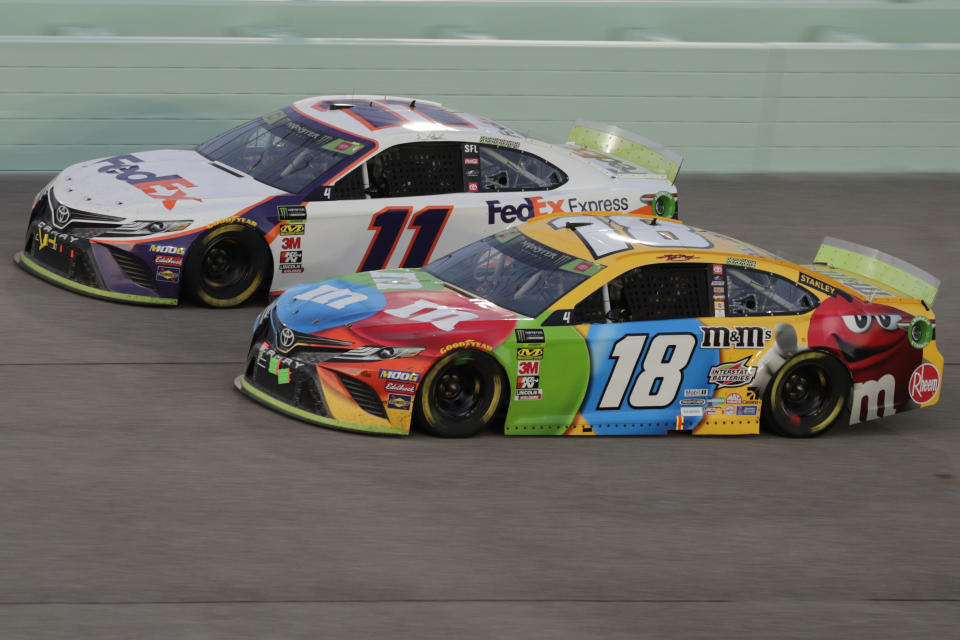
[460, 395]
[227, 266]
[806, 396]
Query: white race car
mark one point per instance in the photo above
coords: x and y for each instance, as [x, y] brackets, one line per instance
[328, 185]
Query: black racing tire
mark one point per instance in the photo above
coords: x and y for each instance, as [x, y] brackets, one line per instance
[227, 266]
[807, 396]
[460, 396]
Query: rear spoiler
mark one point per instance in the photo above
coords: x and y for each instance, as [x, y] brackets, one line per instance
[853, 260]
[628, 146]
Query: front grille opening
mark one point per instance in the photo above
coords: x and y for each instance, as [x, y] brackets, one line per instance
[308, 398]
[364, 395]
[135, 268]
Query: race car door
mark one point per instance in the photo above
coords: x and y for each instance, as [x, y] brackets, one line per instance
[410, 203]
[647, 367]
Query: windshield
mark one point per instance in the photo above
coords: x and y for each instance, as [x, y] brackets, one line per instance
[513, 271]
[282, 152]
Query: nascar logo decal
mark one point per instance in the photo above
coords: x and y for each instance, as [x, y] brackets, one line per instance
[165, 188]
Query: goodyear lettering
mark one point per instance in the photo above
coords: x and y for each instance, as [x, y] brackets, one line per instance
[465, 344]
[164, 188]
[405, 376]
[246, 221]
[734, 337]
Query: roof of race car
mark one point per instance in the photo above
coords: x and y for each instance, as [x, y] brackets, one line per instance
[382, 117]
[608, 237]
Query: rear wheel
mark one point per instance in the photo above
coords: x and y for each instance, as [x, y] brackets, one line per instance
[227, 266]
[460, 395]
[807, 396]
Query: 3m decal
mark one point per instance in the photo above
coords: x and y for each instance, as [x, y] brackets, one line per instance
[732, 374]
[405, 376]
[388, 224]
[661, 370]
[719, 337]
[442, 317]
[606, 235]
[292, 212]
[530, 353]
[530, 335]
[924, 383]
[399, 402]
[290, 242]
[528, 368]
[292, 229]
[167, 189]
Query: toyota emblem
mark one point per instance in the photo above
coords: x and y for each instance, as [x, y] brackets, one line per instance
[286, 337]
[61, 217]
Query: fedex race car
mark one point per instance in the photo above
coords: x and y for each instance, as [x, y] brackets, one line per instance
[328, 185]
[603, 324]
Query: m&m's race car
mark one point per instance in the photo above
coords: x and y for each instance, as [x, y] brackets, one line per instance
[603, 324]
[328, 185]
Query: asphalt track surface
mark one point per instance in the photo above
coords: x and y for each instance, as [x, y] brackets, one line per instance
[144, 497]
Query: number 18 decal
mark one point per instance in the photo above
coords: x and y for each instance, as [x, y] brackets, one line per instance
[388, 225]
[661, 370]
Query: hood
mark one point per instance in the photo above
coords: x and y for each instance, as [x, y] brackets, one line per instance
[395, 308]
[161, 184]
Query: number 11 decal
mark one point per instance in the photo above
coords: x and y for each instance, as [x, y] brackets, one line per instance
[388, 225]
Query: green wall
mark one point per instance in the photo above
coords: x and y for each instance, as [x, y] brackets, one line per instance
[88, 79]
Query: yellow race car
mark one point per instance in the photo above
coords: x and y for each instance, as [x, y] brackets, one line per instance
[604, 324]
